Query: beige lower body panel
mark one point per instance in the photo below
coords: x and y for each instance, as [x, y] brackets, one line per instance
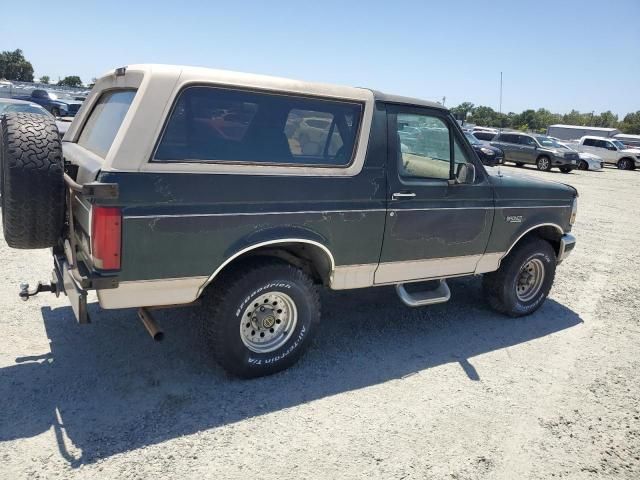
[175, 291]
[148, 293]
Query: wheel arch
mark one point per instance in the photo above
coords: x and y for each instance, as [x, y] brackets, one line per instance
[552, 232]
[311, 255]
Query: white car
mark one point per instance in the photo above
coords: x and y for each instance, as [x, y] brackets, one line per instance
[588, 161]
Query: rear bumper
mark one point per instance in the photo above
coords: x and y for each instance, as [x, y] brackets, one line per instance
[76, 282]
[72, 288]
[567, 244]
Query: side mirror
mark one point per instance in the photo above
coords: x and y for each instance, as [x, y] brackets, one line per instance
[466, 174]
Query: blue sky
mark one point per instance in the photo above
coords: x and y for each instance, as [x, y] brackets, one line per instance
[554, 54]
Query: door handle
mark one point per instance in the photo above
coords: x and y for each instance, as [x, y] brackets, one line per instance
[398, 195]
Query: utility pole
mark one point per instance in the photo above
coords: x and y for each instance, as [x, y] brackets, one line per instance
[500, 106]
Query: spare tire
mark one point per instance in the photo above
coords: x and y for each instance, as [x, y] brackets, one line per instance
[31, 168]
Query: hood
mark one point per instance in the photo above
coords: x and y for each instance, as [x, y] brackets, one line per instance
[631, 151]
[67, 101]
[510, 185]
[477, 146]
[589, 156]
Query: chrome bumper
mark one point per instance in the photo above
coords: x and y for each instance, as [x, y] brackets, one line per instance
[567, 244]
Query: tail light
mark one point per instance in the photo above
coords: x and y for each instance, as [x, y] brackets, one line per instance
[106, 237]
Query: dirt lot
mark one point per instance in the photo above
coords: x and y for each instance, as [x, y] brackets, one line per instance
[449, 391]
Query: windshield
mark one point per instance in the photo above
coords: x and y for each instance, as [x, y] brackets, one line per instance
[548, 142]
[472, 140]
[619, 144]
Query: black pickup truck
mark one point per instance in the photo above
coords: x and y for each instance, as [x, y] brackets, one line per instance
[247, 193]
[58, 106]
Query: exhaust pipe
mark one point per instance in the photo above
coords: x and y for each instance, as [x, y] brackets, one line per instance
[150, 324]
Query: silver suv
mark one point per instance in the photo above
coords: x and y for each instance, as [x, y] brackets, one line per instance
[539, 150]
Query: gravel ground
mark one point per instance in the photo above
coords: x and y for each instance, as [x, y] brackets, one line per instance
[448, 391]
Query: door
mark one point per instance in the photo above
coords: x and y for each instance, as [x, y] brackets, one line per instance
[508, 143]
[527, 152]
[436, 227]
[607, 150]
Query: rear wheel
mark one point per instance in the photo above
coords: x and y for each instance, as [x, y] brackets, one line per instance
[32, 180]
[260, 317]
[524, 279]
[543, 163]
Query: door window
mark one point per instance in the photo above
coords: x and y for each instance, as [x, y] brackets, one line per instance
[508, 138]
[528, 141]
[425, 147]
[589, 142]
[425, 150]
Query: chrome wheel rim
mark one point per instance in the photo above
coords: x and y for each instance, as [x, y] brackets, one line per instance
[530, 279]
[268, 322]
[544, 164]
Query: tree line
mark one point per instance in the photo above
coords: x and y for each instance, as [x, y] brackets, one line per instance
[14, 66]
[539, 120]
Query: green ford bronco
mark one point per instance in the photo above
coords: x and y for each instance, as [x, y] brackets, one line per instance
[245, 193]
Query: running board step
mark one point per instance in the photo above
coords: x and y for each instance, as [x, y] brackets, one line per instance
[426, 297]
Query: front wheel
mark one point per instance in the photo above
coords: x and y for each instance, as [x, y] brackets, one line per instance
[543, 163]
[260, 318]
[523, 281]
[625, 164]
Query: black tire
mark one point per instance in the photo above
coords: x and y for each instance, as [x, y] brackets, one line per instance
[32, 180]
[583, 165]
[566, 169]
[500, 287]
[625, 164]
[543, 163]
[234, 292]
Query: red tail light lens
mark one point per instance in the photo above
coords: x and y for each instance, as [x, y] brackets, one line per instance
[106, 237]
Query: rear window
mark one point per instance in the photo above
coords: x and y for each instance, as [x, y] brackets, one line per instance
[223, 125]
[105, 120]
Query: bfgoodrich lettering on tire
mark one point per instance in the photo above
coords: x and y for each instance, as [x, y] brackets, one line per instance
[260, 317]
[523, 281]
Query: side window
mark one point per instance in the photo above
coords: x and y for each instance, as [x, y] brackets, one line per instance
[223, 125]
[609, 145]
[508, 138]
[600, 143]
[424, 146]
[528, 141]
[589, 142]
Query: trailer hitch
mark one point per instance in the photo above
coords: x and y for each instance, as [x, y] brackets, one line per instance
[26, 293]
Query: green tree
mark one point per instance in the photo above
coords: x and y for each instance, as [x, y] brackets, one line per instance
[631, 123]
[462, 110]
[45, 79]
[13, 66]
[71, 81]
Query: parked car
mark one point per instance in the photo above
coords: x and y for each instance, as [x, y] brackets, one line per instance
[539, 150]
[588, 161]
[59, 107]
[484, 135]
[489, 155]
[612, 151]
[152, 208]
[8, 105]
